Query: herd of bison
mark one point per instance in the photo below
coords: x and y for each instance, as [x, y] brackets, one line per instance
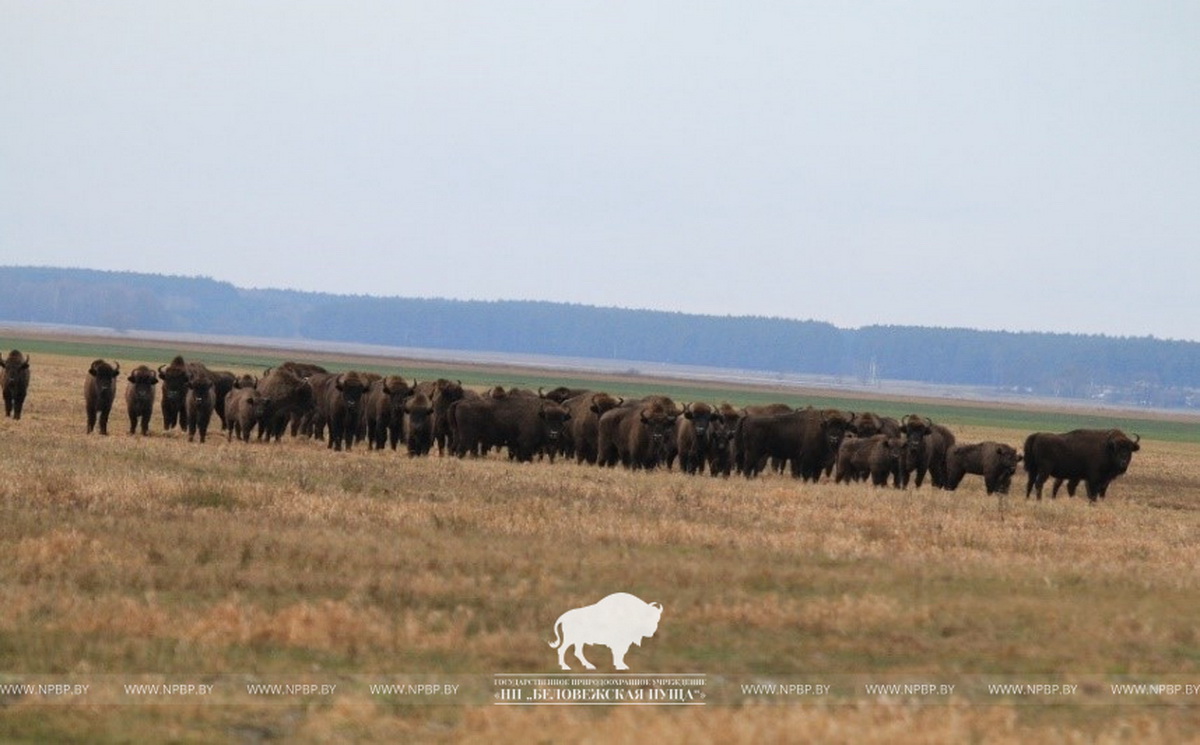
[590, 426]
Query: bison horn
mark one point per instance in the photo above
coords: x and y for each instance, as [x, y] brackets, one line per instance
[117, 370]
[160, 369]
[540, 394]
[620, 400]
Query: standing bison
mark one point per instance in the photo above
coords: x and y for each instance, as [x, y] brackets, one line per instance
[383, 410]
[994, 461]
[418, 424]
[584, 432]
[1094, 456]
[99, 390]
[693, 435]
[139, 398]
[915, 430]
[244, 408]
[876, 457]
[937, 443]
[339, 401]
[174, 377]
[525, 424]
[199, 403]
[14, 379]
[639, 434]
[808, 439]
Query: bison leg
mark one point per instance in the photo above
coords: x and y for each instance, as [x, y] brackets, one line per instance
[103, 422]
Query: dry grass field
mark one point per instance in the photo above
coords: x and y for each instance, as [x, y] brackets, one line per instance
[152, 559]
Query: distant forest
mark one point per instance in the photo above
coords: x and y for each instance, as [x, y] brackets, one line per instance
[1141, 371]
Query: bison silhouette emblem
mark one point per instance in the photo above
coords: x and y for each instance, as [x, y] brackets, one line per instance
[617, 622]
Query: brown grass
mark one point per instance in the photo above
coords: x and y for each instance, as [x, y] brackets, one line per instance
[153, 556]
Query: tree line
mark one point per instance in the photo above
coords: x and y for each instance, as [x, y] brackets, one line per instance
[1130, 370]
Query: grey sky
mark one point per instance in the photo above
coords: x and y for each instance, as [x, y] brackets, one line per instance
[1008, 165]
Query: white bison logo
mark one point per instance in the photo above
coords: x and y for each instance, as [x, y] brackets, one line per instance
[617, 621]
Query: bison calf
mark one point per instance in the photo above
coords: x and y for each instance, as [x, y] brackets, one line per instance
[994, 461]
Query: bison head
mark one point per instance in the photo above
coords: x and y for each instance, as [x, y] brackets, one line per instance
[1121, 449]
[914, 428]
[554, 416]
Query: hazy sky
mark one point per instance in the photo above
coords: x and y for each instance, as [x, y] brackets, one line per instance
[1003, 165]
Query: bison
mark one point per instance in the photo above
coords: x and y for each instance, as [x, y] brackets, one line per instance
[174, 377]
[14, 380]
[289, 396]
[876, 457]
[1094, 456]
[418, 424]
[442, 394]
[383, 410]
[99, 391]
[244, 408]
[937, 443]
[339, 400]
[693, 436]
[914, 429]
[720, 442]
[199, 402]
[806, 438]
[994, 461]
[526, 425]
[139, 398]
[584, 432]
[639, 435]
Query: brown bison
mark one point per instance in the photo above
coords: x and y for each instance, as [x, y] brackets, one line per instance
[526, 425]
[639, 434]
[582, 436]
[99, 391]
[994, 461]
[174, 377]
[720, 444]
[223, 381]
[914, 429]
[14, 380]
[199, 403]
[418, 424]
[339, 404]
[937, 443]
[139, 398]
[876, 457]
[694, 435]
[805, 438]
[442, 394]
[245, 407]
[383, 410]
[1094, 456]
[288, 394]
